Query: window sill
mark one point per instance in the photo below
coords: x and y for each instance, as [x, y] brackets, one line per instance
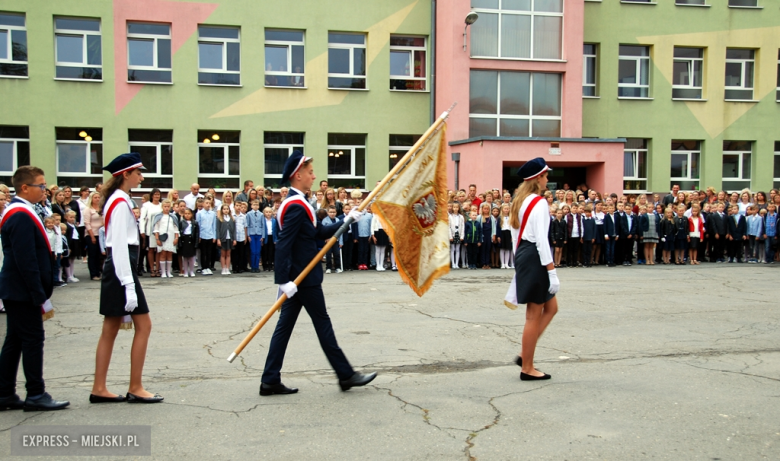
[635, 191]
[638, 3]
[346, 89]
[493, 58]
[222, 85]
[635, 99]
[20, 77]
[287, 87]
[409, 91]
[698, 6]
[591, 97]
[689, 99]
[741, 100]
[746, 7]
[78, 80]
[149, 83]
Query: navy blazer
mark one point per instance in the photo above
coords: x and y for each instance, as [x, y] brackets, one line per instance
[625, 229]
[588, 230]
[716, 223]
[736, 230]
[611, 225]
[644, 223]
[25, 278]
[297, 245]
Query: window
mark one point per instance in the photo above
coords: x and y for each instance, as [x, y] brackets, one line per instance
[218, 159]
[156, 149]
[407, 63]
[346, 61]
[589, 71]
[634, 72]
[514, 104]
[78, 49]
[690, 2]
[14, 150]
[753, 3]
[520, 29]
[736, 165]
[777, 96]
[740, 65]
[636, 1]
[284, 58]
[776, 184]
[635, 166]
[219, 55]
[400, 145]
[346, 160]
[79, 156]
[13, 45]
[687, 73]
[148, 53]
[279, 146]
[685, 164]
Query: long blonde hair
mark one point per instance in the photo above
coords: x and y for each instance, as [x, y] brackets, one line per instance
[523, 190]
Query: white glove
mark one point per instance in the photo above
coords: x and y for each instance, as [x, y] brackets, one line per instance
[555, 284]
[289, 288]
[356, 215]
[663, 239]
[132, 298]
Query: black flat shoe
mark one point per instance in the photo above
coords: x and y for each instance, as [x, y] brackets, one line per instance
[271, 389]
[11, 403]
[527, 377]
[132, 398]
[358, 379]
[45, 403]
[100, 399]
[519, 361]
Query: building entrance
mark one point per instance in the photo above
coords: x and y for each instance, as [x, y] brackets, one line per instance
[573, 176]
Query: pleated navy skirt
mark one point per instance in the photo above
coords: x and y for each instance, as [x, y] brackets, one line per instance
[532, 281]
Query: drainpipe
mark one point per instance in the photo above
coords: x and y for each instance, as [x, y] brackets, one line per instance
[433, 62]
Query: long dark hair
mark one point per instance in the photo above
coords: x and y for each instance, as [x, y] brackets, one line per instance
[114, 183]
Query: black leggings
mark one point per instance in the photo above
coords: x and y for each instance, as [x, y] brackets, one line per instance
[206, 247]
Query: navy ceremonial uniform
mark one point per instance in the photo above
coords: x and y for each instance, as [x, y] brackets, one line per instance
[295, 248]
[26, 283]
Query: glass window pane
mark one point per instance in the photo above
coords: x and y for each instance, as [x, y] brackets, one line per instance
[514, 127]
[515, 94]
[627, 71]
[148, 76]
[642, 164]
[276, 58]
[694, 165]
[72, 158]
[546, 128]
[360, 161]
[630, 50]
[644, 71]
[166, 155]
[211, 160]
[482, 127]
[217, 32]
[484, 35]
[140, 52]
[12, 19]
[164, 54]
[739, 54]
[284, 35]
[746, 166]
[339, 82]
[483, 92]
[19, 45]
[679, 166]
[340, 163]
[515, 36]
[553, 6]
[400, 63]
[346, 139]
[22, 153]
[274, 159]
[628, 164]
[777, 167]
[77, 24]
[397, 40]
[419, 64]
[749, 66]
[96, 158]
[210, 55]
[547, 94]
[338, 61]
[234, 167]
[298, 64]
[360, 61]
[3, 44]
[6, 156]
[153, 29]
[518, 5]
[733, 74]
[233, 56]
[94, 50]
[681, 73]
[148, 157]
[590, 70]
[484, 4]
[547, 37]
[697, 73]
[356, 39]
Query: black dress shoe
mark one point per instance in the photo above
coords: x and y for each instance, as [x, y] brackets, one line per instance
[132, 398]
[45, 403]
[527, 377]
[519, 361]
[100, 399]
[11, 403]
[358, 379]
[271, 389]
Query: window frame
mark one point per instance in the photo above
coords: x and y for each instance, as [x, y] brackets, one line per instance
[226, 162]
[15, 163]
[530, 117]
[402, 150]
[585, 60]
[756, 6]
[776, 180]
[87, 159]
[689, 154]
[411, 50]
[639, 60]
[9, 50]
[351, 47]
[636, 153]
[703, 3]
[533, 14]
[777, 95]
[145, 37]
[287, 44]
[290, 148]
[691, 74]
[84, 48]
[157, 174]
[743, 64]
[222, 41]
[333, 148]
[742, 174]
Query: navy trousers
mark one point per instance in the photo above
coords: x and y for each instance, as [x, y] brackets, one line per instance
[314, 301]
[23, 340]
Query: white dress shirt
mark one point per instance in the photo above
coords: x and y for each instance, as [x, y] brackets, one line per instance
[121, 231]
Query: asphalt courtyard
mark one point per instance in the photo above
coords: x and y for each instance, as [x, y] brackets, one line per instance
[661, 362]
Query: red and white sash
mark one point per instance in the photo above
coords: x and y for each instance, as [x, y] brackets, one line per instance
[111, 205]
[295, 200]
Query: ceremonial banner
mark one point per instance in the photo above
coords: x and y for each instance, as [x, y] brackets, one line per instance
[413, 211]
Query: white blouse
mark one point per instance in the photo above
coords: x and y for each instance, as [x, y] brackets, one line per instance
[121, 231]
[536, 229]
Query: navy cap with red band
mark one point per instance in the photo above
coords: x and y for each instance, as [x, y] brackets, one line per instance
[125, 162]
[533, 169]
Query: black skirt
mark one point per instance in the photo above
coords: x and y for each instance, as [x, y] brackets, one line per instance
[506, 239]
[381, 238]
[532, 281]
[112, 293]
[187, 246]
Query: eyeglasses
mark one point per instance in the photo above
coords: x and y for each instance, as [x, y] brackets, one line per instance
[42, 187]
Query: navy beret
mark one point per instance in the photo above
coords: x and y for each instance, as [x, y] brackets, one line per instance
[294, 163]
[533, 168]
[124, 162]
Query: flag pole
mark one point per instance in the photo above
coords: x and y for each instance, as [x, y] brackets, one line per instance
[347, 222]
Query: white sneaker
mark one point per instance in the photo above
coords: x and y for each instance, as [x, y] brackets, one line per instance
[327, 271]
[192, 274]
[183, 275]
[338, 271]
[72, 279]
[227, 272]
[205, 272]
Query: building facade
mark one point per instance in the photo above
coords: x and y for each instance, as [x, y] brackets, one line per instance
[693, 86]
[214, 93]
